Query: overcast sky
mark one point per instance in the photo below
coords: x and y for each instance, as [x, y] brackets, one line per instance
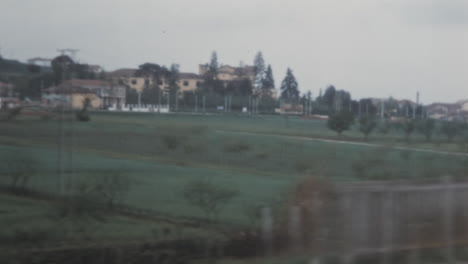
[371, 48]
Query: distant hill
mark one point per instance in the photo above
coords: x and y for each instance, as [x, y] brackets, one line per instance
[13, 68]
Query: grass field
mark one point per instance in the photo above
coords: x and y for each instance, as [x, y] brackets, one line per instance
[263, 157]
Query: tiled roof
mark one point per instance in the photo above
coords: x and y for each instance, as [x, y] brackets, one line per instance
[189, 75]
[78, 82]
[124, 72]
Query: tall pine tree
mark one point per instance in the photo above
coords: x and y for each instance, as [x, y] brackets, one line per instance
[260, 71]
[213, 66]
[289, 86]
[268, 82]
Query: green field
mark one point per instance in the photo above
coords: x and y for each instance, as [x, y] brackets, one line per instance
[262, 157]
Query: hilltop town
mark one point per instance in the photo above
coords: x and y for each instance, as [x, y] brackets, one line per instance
[214, 88]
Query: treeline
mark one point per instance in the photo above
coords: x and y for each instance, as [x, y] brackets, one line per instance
[29, 80]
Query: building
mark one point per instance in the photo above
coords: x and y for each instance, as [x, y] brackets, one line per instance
[230, 73]
[126, 77]
[42, 62]
[102, 94]
[6, 89]
[188, 82]
[95, 68]
[445, 111]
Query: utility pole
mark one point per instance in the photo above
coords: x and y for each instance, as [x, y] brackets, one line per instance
[359, 108]
[256, 106]
[417, 104]
[203, 102]
[169, 101]
[61, 134]
[225, 104]
[382, 110]
[159, 99]
[196, 103]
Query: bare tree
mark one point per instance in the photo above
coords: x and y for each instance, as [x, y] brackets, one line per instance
[113, 188]
[208, 197]
[19, 168]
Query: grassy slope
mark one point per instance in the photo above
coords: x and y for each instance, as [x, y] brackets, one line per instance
[134, 145]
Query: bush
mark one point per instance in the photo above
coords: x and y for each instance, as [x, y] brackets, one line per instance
[170, 141]
[83, 116]
[340, 122]
[208, 197]
[367, 124]
[11, 114]
[237, 147]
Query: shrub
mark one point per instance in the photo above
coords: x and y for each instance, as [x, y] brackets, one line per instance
[208, 197]
[170, 141]
[340, 122]
[11, 113]
[83, 114]
[367, 124]
[237, 147]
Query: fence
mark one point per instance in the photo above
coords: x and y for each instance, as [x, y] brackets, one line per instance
[141, 108]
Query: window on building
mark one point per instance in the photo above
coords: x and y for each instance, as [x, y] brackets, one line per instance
[134, 81]
[185, 83]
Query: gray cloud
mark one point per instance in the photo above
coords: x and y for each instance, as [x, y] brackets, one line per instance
[369, 47]
[436, 12]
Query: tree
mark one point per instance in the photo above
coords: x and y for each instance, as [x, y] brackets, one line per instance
[19, 167]
[83, 114]
[83, 71]
[157, 74]
[239, 87]
[289, 86]
[384, 127]
[153, 71]
[367, 124]
[113, 188]
[408, 126]
[450, 129]
[173, 76]
[33, 68]
[131, 96]
[213, 65]
[367, 107]
[340, 121]
[426, 127]
[268, 83]
[335, 100]
[328, 98]
[62, 66]
[260, 72]
[208, 197]
[211, 83]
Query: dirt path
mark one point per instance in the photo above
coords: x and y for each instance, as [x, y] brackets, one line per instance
[344, 142]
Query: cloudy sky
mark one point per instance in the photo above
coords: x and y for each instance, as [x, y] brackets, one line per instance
[372, 48]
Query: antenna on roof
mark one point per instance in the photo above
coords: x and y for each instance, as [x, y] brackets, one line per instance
[71, 52]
